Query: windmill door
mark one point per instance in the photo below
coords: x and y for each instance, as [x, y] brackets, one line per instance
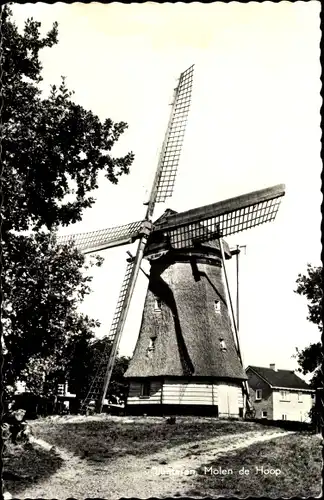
[228, 401]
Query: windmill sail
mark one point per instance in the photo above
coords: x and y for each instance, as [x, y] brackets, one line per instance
[172, 145]
[226, 217]
[104, 238]
[96, 388]
[122, 309]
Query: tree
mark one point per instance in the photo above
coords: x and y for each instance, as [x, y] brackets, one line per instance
[43, 288]
[311, 286]
[53, 149]
[52, 153]
[84, 355]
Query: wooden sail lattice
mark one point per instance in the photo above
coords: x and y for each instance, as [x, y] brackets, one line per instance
[222, 218]
[120, 301]
[225, 224]
[104, 238]
[199, 224]
[174, 138]
[96, 386]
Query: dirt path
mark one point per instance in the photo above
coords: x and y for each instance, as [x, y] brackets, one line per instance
[165, 473]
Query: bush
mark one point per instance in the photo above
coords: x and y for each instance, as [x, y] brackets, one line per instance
[289, 425]
[14, 429]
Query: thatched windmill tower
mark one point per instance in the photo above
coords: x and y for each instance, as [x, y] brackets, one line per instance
[186, 356]
[185, 359]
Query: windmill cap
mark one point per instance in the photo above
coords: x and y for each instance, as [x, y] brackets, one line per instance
[159, 239]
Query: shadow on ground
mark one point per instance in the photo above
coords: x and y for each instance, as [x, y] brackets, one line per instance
[23, 466]
[105, 440]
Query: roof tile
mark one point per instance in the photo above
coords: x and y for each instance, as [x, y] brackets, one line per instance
[280, 378]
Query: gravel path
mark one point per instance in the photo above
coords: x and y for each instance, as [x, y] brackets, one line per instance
[161, 474]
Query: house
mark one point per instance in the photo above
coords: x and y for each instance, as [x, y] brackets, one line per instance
[279, 394]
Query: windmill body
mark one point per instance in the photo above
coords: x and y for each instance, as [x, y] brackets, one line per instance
[186, 355]
[185, 359]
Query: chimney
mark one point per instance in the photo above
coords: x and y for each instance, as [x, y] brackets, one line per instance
[273, 366]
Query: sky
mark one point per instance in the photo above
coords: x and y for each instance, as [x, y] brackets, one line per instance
[254, 122]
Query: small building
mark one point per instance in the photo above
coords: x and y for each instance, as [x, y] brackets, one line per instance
[279, 394]
[65, 400]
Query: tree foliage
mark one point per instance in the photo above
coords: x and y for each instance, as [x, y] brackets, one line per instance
[84, 355]
[310, 285]
[53, 151]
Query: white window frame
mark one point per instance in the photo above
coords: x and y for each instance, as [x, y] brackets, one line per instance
[222, 345]
[61, 389]
[217, 306]
[258, 391]
[285, 396]
[151, 347]
[284, 416]
[300, 397]
[144, 385]
[157, 304]
[262, 414]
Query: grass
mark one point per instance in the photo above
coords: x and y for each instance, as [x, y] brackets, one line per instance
[108, 438]
[23, 466]
[104, 439]
[298, 457]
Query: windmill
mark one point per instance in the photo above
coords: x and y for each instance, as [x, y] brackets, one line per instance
[176, 239]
